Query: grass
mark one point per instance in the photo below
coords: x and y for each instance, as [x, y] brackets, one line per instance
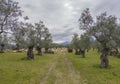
[48, 69]
[54, 69]
[14, 70]
[89, 68]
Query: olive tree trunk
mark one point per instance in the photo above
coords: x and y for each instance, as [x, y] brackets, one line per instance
[82, 52]
[70, 50]
[46, 50]
[39, 50]
[17, 47]
[2, 48]
[104, 58]
[30, 54]
[77, 52]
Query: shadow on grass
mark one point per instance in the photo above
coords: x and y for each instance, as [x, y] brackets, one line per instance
[99, 67]
[26, 58]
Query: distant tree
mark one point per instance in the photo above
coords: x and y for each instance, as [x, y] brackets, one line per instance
[80, 44]
[75, 43]
[103, 29]
[84, 44]
[3, 42]
[43, 37]
[39, 28]
[19, 35]
[30, 40]
[47, 40]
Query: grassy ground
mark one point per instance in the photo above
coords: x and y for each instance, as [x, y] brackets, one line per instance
[62, 68]
[89, 68]
[47, 69]
[14, 70]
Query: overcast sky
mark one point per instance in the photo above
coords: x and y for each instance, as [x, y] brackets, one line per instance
[61, 16]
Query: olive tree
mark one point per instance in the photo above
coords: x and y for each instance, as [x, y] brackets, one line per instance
[80, 44]
[30, 40]
[24, 34]
[43, 37]
[9, 13]
[84, 44]
[39, 28]
[103, 29]
[3, 42]
[47, 40]
[75, 43]
[18, 35]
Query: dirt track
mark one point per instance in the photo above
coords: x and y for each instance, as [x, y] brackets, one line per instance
[62, 71]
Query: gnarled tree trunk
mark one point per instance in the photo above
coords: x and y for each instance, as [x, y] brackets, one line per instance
[17, 47]
[70, 50]
[77, 52]
[39, 49]
[104, 58]
[82, 52]
[30, 54]
[46, 50]
[2, 48]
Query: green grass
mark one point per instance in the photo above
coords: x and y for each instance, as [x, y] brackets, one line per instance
[14, 70]
[89, 68]
[53, 69]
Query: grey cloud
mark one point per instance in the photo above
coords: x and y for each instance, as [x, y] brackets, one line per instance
[61, 16]
[111, 7]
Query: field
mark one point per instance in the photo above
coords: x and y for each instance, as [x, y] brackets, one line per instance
[61, 68]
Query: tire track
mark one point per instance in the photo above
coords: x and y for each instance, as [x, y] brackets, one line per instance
[73, 75]
[44, 80]
[62, 71]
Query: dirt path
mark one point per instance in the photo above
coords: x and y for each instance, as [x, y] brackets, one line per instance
[62, 71]
[73, 74]
[53, 65]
